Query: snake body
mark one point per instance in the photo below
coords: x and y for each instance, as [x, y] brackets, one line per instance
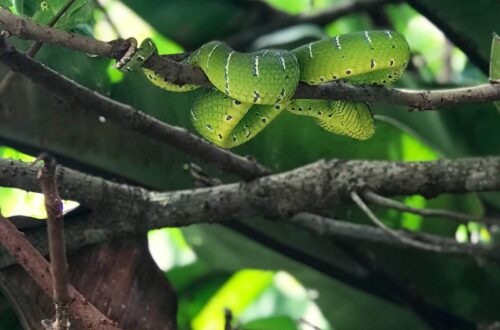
[251, 89]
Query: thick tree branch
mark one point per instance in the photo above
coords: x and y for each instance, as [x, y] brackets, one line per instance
[128, 117]
[182, 73]
[310, 188]
[132, 211]
[35, 264]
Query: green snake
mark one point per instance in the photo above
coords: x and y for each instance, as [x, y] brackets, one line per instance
[250, 90]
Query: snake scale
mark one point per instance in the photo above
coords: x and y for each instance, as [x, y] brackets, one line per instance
[251, 89]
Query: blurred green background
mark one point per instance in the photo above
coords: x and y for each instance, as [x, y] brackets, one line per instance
[272, 275]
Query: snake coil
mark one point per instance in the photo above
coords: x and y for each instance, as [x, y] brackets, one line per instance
[250, 90]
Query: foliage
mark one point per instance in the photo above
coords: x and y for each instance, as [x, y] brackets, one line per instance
[221, 258]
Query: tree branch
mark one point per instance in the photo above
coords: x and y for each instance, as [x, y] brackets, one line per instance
[128, 117]
[36, 46]
[38, 268]
[182, 73]
[310, 188]
[394, 233]
[418, 100]
[374, 198]
[352, 231]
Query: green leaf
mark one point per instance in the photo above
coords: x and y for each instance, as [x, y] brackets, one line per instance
[79, 12]
[495, 62]
[271, 323]
[344, 306]
[19, 7]
[5, 4]
[236, 294]
[468, 24]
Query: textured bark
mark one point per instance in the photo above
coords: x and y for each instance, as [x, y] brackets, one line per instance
[118, 277]
[37, 269]
[309, 188]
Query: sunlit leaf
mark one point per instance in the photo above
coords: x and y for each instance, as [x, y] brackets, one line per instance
[236, 294]
[18, 6]
[19, 202]
[169, 248]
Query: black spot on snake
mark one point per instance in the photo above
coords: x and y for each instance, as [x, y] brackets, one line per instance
[257, 96]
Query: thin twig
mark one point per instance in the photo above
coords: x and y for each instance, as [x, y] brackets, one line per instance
[228, 318]
[182, 73]
[57, 246]
[35, 47]
[375, 198]
[349, 231]
[309, 324]
[38, 268]
[397, 235]
[201, 178]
